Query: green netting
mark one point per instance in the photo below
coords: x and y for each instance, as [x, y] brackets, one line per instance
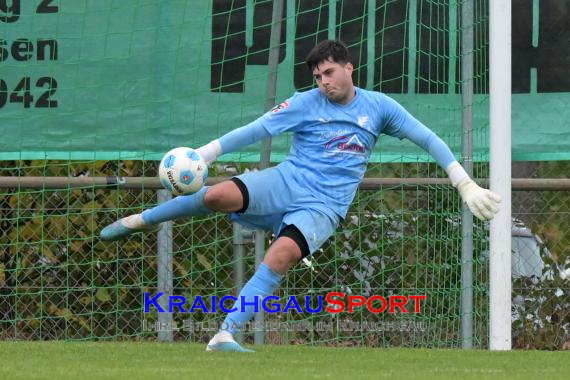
[61, 282]
[136, 78]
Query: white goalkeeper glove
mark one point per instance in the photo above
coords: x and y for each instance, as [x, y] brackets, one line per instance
[210, 151]
[483, 203]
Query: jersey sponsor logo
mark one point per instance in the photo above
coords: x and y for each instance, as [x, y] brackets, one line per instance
[344, 144]
[280, 107]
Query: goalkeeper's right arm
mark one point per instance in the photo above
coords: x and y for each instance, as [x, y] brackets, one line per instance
[233, 141]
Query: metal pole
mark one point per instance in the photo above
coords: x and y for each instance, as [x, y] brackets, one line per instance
[332, 20]
[500, 167]
[370, 44]
[239, 265]
[259, 335]
[412, 27]
[271, 90]
[467, 153]
[164, 269]
[152, 183]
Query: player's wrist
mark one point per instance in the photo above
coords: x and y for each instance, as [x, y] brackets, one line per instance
[457, 175]
[211, 151]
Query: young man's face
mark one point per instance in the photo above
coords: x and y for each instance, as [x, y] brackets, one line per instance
[335, 80]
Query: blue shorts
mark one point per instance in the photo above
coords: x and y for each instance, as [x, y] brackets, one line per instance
[275, 203]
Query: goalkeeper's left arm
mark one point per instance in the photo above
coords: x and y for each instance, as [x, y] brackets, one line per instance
[483, 203]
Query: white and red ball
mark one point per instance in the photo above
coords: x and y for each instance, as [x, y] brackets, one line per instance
[183, 171]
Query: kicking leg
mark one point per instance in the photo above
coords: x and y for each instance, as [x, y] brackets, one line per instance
[223, 197]
[282, 255]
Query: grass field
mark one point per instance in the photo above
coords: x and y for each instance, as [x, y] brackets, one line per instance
[87, 360]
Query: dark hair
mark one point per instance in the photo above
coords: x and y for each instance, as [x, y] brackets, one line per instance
[335, 50]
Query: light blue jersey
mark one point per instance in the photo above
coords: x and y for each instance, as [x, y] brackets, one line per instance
[332, 143]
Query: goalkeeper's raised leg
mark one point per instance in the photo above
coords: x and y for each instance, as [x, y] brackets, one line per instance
[204, 202]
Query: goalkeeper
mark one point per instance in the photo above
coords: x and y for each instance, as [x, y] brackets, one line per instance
[303, 199]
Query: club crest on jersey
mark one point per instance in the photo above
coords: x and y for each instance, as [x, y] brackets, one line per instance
[362, 121]
[344, 144]
[280, 107]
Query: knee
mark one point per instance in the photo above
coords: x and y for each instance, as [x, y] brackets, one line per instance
[213, 198]
[282, 256]
[281, 263]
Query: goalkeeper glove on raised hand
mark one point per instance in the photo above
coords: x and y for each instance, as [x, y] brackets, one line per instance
[483, 203]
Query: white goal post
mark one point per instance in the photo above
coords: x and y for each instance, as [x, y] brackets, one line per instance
[500, 173]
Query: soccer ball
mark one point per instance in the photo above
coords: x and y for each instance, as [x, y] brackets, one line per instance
[182, 171]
